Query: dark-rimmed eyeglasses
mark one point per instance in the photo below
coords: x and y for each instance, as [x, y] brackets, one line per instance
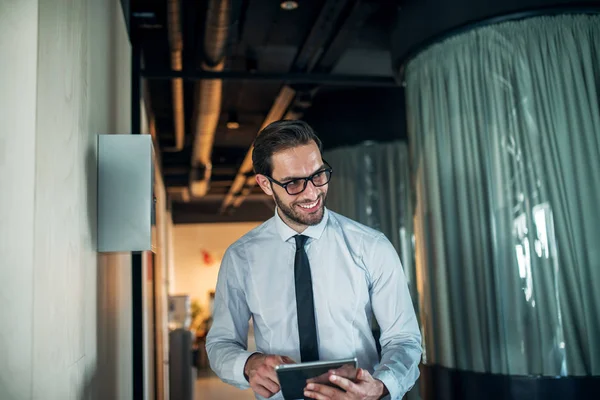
[298, 185]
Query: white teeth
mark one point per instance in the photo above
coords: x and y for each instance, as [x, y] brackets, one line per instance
[311, 205]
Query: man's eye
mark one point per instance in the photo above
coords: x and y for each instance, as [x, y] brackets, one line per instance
[319, 177]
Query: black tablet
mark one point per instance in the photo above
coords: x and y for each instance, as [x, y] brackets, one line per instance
[293, 378]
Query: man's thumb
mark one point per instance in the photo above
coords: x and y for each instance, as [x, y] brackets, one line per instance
[360, 374]
[287, 360]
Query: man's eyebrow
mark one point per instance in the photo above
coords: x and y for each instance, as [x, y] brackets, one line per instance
[292, 178]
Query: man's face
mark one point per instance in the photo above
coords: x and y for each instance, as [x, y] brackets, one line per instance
[306, 208]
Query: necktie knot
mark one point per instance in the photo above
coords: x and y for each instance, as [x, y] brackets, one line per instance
[300, 241]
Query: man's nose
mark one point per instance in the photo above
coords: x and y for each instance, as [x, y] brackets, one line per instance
[311, 191]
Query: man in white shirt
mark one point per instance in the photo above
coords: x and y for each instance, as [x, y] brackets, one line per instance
[311, 279]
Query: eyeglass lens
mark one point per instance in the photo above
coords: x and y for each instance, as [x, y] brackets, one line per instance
[297, 186]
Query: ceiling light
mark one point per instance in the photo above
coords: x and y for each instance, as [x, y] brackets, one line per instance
[289, 5]
[233, 125]
[232, 121]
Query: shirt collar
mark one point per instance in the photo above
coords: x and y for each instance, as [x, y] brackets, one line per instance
[314, 231]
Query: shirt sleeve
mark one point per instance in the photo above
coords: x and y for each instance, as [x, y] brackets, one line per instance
[227, 339]
[393, 308]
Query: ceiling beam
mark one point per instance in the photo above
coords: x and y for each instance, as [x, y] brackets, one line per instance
[286, 77]
[255, 210]
[305, 60]
[359, 14]
[215, 199]
[322, 62]
[240, 184]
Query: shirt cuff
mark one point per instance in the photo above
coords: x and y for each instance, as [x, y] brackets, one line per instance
[238, 369]
[389, 380]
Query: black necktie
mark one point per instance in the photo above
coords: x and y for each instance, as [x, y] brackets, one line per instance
[305, 305]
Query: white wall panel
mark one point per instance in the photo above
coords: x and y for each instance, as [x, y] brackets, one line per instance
[58, 248]
[66, 314]
[18, 78]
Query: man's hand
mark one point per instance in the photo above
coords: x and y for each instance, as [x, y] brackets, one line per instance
[365, 388]
[260, 372]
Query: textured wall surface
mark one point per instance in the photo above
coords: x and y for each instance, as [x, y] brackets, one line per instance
[66, 319]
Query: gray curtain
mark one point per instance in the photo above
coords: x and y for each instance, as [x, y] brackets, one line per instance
[370, 184]
[504, 125]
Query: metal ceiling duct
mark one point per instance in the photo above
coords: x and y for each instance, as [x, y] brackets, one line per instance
[208, 95]
[311, 53]
[242, 185]
[176, 45]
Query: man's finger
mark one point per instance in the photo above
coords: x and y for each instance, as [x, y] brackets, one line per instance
[315, 395]
[363, 375]
[278, 360]
[268, 383]
[261, 390]
[323, 378]
[268, 371]
[272, 375]
[344, 383]
[323, 391]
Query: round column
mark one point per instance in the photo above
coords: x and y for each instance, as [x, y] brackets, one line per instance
[504, 128]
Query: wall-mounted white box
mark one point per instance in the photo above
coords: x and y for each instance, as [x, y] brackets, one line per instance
[125, 193]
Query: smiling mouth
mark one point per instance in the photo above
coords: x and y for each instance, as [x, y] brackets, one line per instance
[310, 206]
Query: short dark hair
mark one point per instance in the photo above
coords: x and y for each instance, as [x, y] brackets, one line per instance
[279, 136]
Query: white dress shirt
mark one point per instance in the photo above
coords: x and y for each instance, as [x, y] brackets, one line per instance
[355, 270]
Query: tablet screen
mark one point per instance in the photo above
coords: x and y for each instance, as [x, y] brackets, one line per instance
[294, 377]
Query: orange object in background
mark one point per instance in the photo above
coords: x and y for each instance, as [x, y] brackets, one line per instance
[207, 258]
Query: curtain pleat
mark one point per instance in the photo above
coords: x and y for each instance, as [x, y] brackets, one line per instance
[504, 125]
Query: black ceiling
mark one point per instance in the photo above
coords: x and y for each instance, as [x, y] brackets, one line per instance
[321, 37]
[335, 55]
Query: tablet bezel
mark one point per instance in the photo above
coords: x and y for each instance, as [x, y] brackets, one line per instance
[289, 384]
[311, 364]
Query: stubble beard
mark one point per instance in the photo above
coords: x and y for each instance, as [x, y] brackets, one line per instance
[298, 218]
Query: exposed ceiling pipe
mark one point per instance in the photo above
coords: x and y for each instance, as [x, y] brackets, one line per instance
[147, 110]
[305, 61]
[176, 45]
[208, 95]
[251, 180]
[244, 180]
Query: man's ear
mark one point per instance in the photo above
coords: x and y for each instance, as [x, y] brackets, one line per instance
[264, 184]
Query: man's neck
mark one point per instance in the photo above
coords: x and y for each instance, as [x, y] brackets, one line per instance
[295, 226]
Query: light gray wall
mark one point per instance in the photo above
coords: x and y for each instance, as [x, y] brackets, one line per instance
[18, 83]
[65, 319]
